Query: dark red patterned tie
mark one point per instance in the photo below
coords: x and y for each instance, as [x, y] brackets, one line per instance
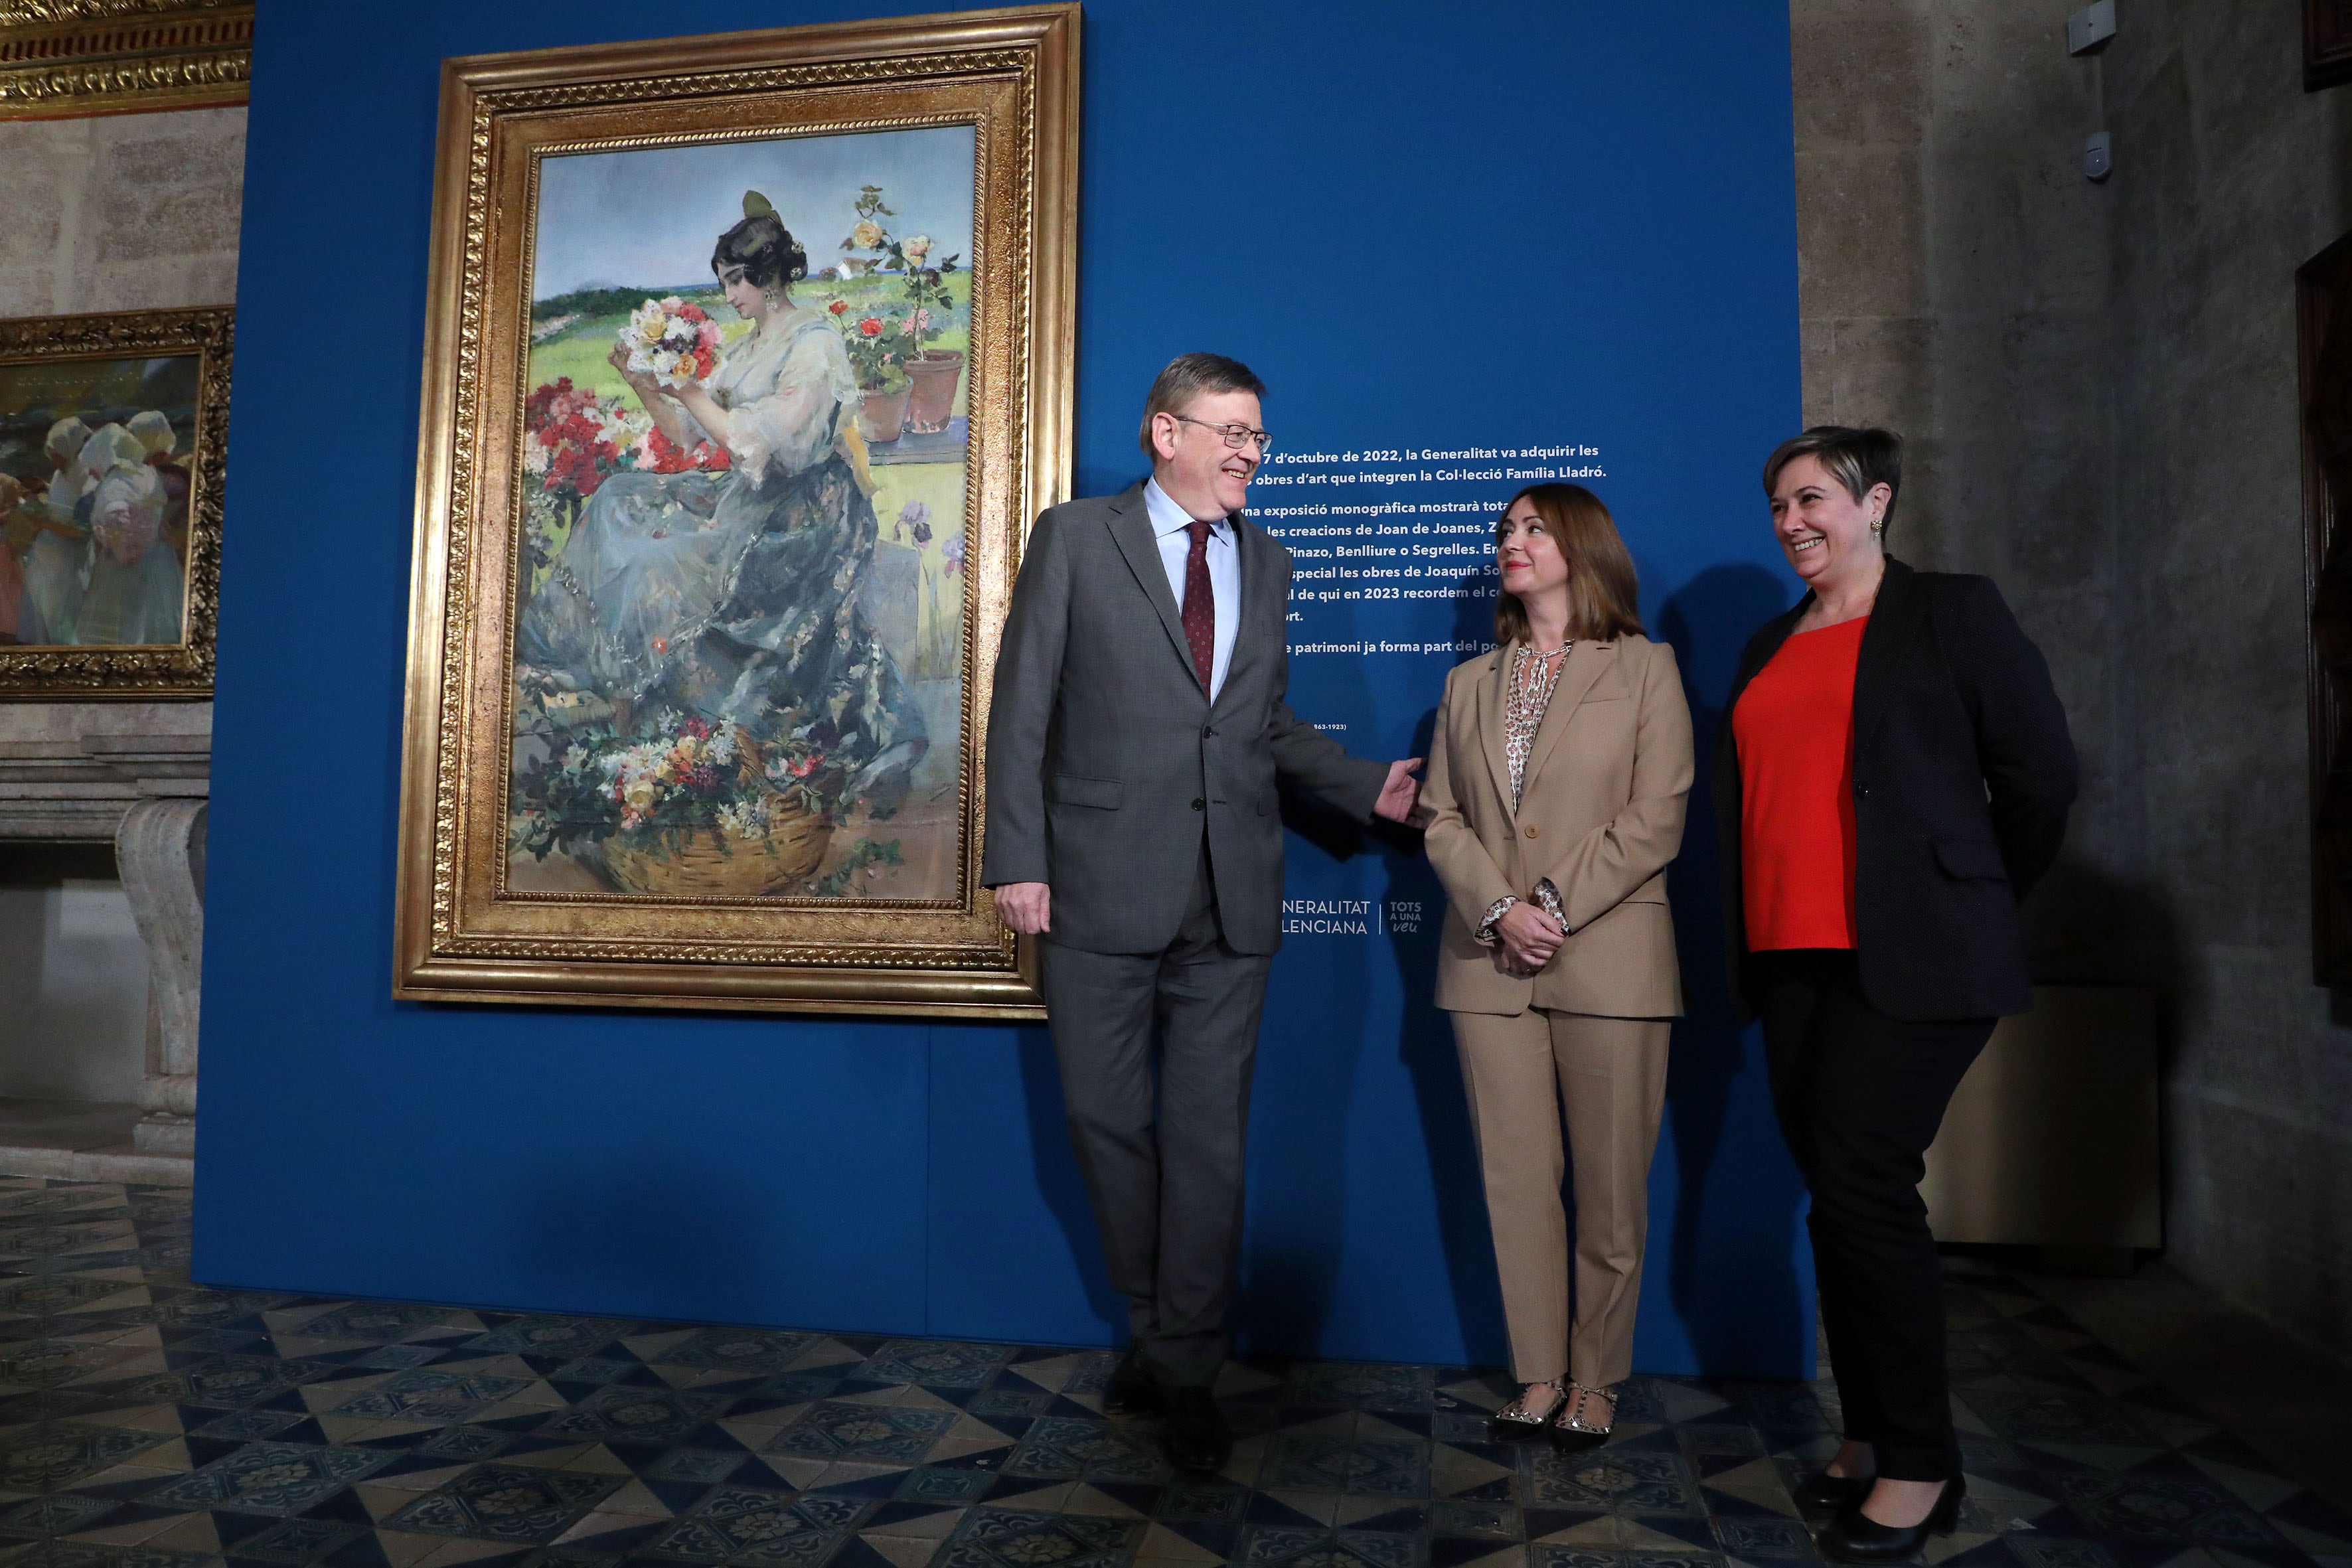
[1200, 604]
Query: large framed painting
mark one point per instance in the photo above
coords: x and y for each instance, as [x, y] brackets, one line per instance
[113, 431]
[747, 360]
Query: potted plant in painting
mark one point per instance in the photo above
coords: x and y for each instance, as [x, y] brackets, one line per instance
[930, 306]
[931, 310]
[882, 383]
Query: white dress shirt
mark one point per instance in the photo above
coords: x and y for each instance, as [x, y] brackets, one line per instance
[1171, 526]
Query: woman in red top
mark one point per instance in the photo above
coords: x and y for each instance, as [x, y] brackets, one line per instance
[1894, 772]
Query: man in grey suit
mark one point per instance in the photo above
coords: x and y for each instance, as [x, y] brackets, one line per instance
[1137, 738]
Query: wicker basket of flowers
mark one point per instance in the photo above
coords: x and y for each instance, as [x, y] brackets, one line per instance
[688, 809]
[784, 846]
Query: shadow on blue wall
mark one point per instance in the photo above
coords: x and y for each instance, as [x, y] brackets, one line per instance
[1308, 1079]
[1425, 1046]
[1736, 1180]
[1059, 1181]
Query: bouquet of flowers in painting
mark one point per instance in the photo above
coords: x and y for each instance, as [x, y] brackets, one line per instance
[718, 811]
[672, 341]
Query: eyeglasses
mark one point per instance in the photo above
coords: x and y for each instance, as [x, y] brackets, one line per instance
[1237, 435]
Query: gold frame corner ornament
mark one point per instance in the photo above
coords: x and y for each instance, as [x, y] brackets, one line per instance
[181, 671]
[461, 935]
[67, 59]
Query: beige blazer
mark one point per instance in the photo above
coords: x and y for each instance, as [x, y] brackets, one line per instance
[1601, 814]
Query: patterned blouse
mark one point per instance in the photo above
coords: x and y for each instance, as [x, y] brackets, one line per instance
[1533, 679]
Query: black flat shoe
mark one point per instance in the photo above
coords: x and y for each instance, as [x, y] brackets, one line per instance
[1571, 1432]
[1826, 1493]
[1852, 1538]
[1504, 1427]
[1198, 1439]
[1132, 1390]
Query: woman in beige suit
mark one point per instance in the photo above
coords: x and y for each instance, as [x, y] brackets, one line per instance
[1556, 790]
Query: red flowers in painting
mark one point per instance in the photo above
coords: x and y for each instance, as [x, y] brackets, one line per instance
[705, 344]
[577, 438]
[668, 458]
[871, 326]
[580, 459]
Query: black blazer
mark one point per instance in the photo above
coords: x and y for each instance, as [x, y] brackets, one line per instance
[1963, 771]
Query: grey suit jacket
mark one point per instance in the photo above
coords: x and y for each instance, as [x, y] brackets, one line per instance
[1106, 758]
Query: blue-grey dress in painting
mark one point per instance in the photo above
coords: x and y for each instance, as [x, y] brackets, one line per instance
[733, 595]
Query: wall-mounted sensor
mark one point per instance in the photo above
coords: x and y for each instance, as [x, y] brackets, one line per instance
[2089, 27]
[2098, 156]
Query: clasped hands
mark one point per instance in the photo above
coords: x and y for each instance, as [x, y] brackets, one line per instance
[1527, 937]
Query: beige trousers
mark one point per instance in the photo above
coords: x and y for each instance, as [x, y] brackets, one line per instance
[1610, 1075]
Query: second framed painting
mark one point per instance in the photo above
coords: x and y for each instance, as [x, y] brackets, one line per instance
[748, 362]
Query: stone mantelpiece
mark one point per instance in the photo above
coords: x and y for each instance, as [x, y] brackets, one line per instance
[137, 775]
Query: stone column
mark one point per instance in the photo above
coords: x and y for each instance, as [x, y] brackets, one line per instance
[160, 850]
[138, 773]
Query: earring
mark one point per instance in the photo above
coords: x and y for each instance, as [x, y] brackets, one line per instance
[1877, 525]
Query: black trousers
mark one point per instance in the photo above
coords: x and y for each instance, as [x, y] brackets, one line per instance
[1167, 1191]
[1860, 1097]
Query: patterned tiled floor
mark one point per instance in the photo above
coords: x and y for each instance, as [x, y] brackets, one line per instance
[147, 1423]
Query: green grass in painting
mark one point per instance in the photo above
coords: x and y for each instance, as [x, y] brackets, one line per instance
[579, 349]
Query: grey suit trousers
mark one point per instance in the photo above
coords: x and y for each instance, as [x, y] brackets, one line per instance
[1167, 1193]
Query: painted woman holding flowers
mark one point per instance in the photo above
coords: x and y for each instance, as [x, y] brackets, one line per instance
[727, 592]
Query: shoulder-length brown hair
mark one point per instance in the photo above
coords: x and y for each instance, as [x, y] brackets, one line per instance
[1602, 587]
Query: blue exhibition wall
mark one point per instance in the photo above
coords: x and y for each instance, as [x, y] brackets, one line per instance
[1533, 228]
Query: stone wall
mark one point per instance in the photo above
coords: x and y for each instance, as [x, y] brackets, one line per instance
[117, 213]
[1954, 286]
[2227, 177]
[123, 211]
[2098, 382]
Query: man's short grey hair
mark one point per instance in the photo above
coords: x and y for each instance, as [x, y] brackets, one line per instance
[1187, 380]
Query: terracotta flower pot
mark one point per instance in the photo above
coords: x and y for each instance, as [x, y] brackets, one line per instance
[881, 415]
[932, 399]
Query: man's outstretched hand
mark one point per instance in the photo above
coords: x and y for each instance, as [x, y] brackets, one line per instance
[1398, 796]
[1026, 907]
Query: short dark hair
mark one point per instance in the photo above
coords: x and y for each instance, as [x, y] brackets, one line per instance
[1187, 379]
[1859, 458]
[764, 248]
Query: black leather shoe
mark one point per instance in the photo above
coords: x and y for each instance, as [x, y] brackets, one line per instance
[1826, 1493]
[1132, 1390]
[1854, 1538]
[1570, 1431]
[1505, 1426]
[1198, 1439]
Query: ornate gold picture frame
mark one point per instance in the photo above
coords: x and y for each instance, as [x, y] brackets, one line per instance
[65, 58]
[113, 433]
[748, 360]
